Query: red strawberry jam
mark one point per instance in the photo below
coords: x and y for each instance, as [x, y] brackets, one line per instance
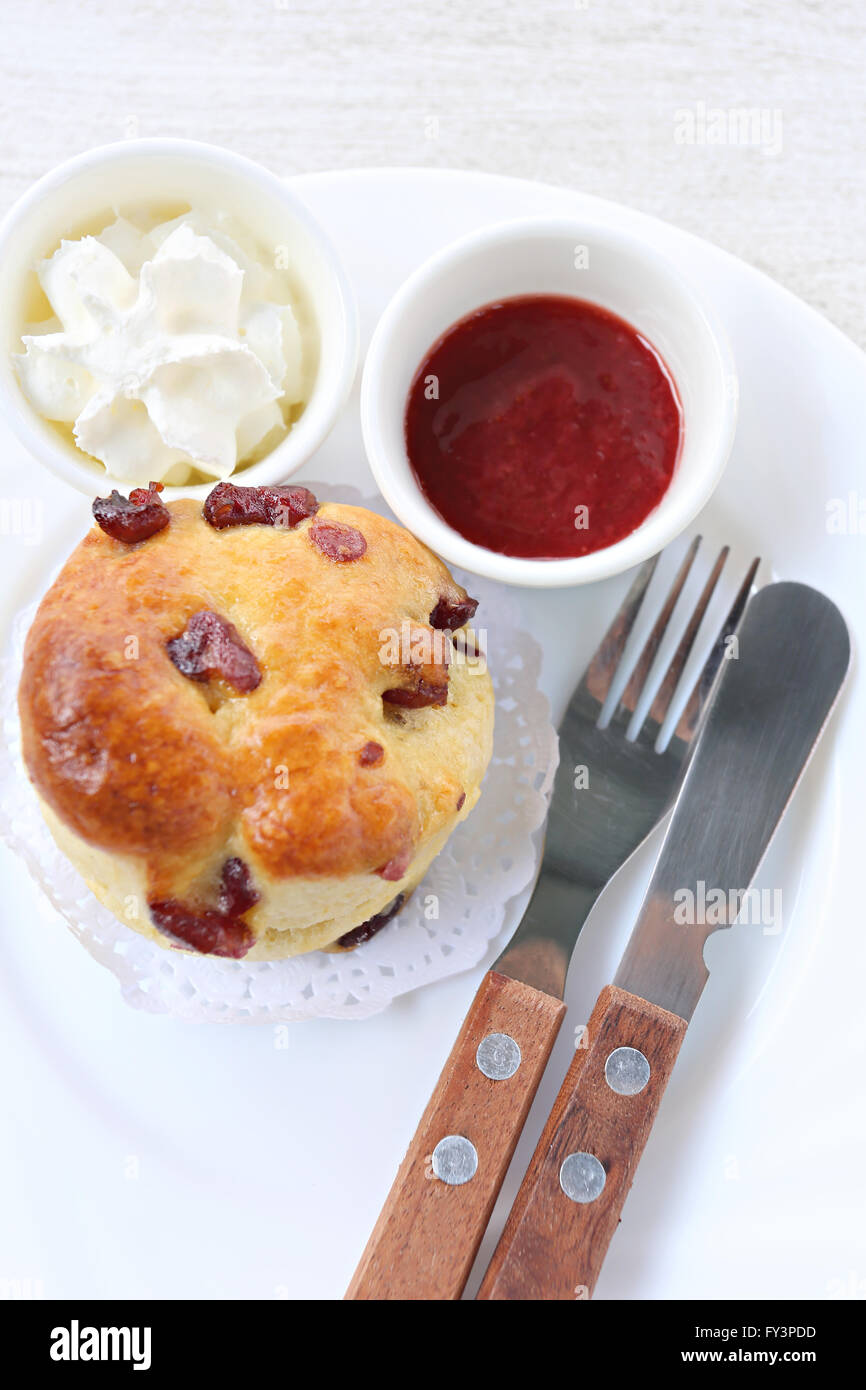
[544, 427]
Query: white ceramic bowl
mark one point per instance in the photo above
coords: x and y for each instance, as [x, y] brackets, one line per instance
[174, 173]
[624, 275]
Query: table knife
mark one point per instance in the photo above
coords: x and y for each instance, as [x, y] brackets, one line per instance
[771, 706]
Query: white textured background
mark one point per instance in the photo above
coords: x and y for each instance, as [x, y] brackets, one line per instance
[583, 93]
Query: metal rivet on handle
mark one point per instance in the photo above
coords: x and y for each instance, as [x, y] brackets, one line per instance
[582, 1177]
[626, 1071]
[498, 1056]
[454, 1160]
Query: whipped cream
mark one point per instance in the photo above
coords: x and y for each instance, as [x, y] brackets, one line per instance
[171, 350]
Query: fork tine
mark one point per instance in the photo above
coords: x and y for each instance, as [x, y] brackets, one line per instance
[665, 692]
[698, 702]
[632, 693]
[602, 669]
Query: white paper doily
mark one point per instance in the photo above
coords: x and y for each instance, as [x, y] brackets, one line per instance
[491, 857]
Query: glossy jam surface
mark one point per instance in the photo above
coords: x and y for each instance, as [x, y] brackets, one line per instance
[543, 427]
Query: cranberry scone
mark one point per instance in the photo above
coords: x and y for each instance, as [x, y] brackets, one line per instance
[253, 723]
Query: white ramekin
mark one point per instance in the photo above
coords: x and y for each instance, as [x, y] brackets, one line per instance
[169, 173]
[590, 261]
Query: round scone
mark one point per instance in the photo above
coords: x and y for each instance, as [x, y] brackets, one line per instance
[253, 724]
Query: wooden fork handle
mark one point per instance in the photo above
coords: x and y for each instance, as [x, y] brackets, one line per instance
[569, 1204]
[427, 1236]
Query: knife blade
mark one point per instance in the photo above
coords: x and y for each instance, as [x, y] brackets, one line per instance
[771, 706]
[768, 716]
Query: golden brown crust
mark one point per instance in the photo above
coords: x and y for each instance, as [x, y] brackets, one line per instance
[137, 759]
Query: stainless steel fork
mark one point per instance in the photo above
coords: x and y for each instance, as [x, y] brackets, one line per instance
[609, 793]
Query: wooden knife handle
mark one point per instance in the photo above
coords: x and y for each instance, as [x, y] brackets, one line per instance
[427, 1236]
[553, 1244]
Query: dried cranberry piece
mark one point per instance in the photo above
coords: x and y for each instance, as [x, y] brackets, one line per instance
[204, 930]
[134, 518]
[421, 695]
[212, 646]
[338, 542]
[213, 931]
[460, 801]
[286, 507]
[371, 754]
[237, 894]
[424, 669]
[357, 935]
[394, 870]
[451, 613]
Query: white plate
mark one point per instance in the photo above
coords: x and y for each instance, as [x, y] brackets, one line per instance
[152, 1159]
